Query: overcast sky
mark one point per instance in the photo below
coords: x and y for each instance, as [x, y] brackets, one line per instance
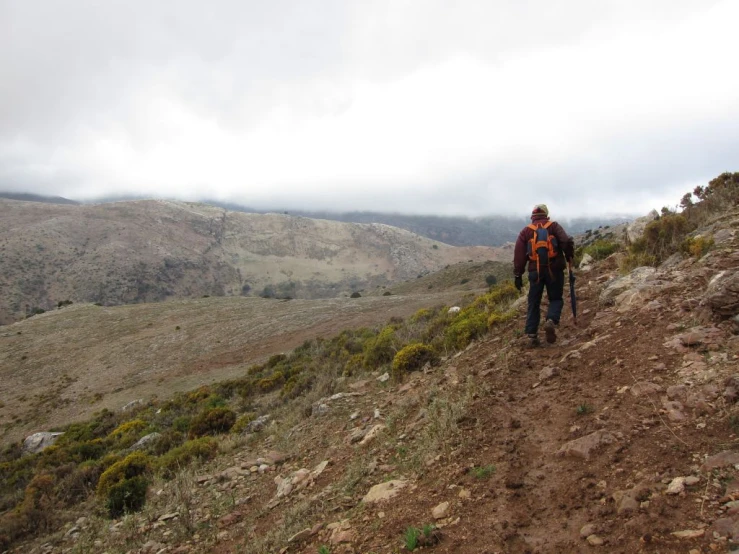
[415, 106]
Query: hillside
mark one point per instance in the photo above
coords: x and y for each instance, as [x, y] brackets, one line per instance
[491, 230]
[149, 251]
[620, 437]
[62, 366]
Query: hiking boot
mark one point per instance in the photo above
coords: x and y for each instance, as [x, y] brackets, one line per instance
[534, 341]
[550, 330]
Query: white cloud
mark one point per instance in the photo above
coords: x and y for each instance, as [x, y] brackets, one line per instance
[472, 107]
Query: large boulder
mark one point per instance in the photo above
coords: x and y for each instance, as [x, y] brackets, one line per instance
[616, 287]
[722, 294]
[39, 441]
[145, 442]
[635, 229]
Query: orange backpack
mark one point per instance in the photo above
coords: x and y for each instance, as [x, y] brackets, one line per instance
[542, 247]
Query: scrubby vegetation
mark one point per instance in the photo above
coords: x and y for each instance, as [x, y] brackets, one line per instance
[670, 232]
[95, 458]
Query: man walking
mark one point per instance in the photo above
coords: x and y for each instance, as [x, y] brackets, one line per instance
[547, 249]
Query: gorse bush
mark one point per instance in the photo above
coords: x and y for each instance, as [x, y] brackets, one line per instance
[411, 358]
[123, 485]
[467, 326]
[127, 433]
[133, 465]
[380, 349]
[213, 421]
[696, 247]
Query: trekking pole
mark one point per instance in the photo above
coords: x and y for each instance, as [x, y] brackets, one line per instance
[573, 298]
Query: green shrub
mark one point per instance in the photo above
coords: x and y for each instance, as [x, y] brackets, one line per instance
[421, 315]
[181, 424]
[483, 472]
[380, 349]
[491, 280]
[637, 259]
[203, 448]
[77, 485]
[498, 318]
[411, 538]
[353, 365]
[697, 246]
[275, 360]
[466, 327]
[88, 450]
[297, 385]
[412, 358]
[127, 433]
[127, 496]
[133, 465]
[213, 421]
[601, 249]
[663, 237]
[355, 295]
[99, 427]
[243, 422]
[272, 382]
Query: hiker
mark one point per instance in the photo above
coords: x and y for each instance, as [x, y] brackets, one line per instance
[547, 248]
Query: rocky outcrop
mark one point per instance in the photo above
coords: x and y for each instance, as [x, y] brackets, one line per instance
[37, 442]
[620, 285]
[722, 295]
[635, 229]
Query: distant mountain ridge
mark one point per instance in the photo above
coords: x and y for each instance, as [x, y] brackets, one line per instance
[491, 230]
[152, 250]
[28, 197]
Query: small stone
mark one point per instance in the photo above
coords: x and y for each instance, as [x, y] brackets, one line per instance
[441, 511]
[689, 533]
[384, 377]
[384, 491]
[676, 486]
[548, 373]
[587, 530]
[595, 540]
[372, 434]
[464, 494]
[300, 536]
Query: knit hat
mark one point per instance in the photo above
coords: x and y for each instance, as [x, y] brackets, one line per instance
[540, 209]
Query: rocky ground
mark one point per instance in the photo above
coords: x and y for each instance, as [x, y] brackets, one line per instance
[620, 437]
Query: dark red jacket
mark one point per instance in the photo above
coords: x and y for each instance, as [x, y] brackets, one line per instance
[565, 242]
